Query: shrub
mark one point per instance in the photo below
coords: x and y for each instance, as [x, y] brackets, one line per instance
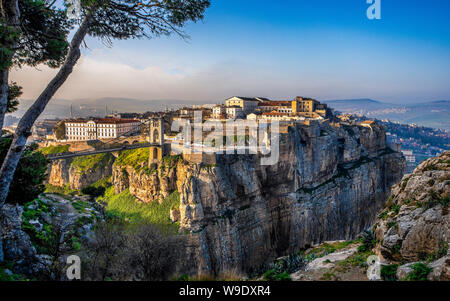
[28, 181]
[140, 252]
[389, 272]
[392, 224]
[419, 273]
[94, 191]
[368, 241]
[272, 275]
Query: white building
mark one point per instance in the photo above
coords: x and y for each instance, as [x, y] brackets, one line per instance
[101, 128]
[409, 156]
[234, 112]
[276, 106]
[248, 104]
[218, 111]
[276, 116]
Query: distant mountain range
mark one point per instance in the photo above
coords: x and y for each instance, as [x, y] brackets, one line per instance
[59, 108]
[435, 114]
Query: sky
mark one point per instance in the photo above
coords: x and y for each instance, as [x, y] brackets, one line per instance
[325, 49]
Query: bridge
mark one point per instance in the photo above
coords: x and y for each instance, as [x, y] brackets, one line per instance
[67, 155]
[128, 142]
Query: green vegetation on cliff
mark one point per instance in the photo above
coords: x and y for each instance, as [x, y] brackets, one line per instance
[85, 163]
[98, 188]
[138, 159]
[30, 174]
[63, 191]
[135, 158]
[55, 149]
[125, 206]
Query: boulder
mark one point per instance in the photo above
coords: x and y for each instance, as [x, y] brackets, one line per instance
[441, 269]
[17, 246]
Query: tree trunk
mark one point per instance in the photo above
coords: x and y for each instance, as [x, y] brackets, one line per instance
[23, 130]
[11, 13]
[3, 95]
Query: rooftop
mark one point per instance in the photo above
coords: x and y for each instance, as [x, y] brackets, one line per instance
[104, 120]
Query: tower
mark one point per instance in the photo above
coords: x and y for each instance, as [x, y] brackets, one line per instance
[156, 135]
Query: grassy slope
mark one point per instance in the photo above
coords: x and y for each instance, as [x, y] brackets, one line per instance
[56, 149]
[93, 161]
[125, 206]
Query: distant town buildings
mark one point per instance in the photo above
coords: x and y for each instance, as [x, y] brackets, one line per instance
[255, 108]
[409, 156]
[235, 112]
[99, 128]
[218, 112]
[248, 104]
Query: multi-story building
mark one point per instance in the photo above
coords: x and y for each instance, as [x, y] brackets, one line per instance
[298, 109]
[248, 104]
[275, 106]
[218, 111]
[234, 112]
[300, 105]
[99, 128]
[409, 156]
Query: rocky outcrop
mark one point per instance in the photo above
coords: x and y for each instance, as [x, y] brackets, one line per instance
[329, 184]
[80, 179]
[16, 244]
[58, 172]
[37, 238]
[415, 225]
[66, 172]
[149, 184]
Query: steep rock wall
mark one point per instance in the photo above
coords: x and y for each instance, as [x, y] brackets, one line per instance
[415, 224]
[327, 185]
[63, 172]
[148, 184]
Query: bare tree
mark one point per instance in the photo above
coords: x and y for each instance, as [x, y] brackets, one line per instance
[141, 252]
[103, 253]
[151, 254]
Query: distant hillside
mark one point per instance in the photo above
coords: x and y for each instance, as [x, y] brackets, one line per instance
[97, 107]
[435, 114]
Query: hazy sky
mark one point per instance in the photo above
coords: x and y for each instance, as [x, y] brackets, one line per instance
[326, 49]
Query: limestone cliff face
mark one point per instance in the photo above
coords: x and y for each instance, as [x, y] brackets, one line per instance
[415, 225]
[80, 179]
[329, 184]
[148, 184]
[63, 172]
[58, 172]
